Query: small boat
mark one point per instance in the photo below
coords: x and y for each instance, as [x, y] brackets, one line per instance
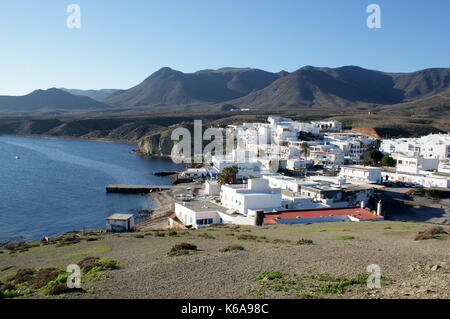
[17, 157]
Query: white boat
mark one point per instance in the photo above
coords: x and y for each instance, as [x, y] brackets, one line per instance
[17, 157]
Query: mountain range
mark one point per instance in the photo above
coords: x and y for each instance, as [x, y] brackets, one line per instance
[347, 87]
[50, 100]
[98, 95]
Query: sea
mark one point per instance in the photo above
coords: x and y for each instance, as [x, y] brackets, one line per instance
[49, 186]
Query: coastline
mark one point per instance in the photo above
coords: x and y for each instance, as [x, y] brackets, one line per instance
[66, 137]
[151, 206]
[95, 139]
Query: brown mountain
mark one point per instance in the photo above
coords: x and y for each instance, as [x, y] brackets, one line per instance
[170, 87]
[51, 99]
[346, 86]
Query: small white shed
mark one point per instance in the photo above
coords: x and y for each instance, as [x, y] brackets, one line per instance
[118, 223]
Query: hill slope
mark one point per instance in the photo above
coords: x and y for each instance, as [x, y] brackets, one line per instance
[171, 87]
[51, 99]
[345, 87]
[98, 95]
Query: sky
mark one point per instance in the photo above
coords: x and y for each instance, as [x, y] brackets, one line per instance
[120, 43]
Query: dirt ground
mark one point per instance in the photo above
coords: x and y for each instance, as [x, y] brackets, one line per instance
[272, 264]
[416, 208]
[165, 204]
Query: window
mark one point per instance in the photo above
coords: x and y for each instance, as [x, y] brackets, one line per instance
[205, 221]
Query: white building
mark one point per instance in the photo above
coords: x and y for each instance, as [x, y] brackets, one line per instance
[419, 171]
[245, 161]
[329, 125]
[361, 174]
[427, 179]
[212, 188]
[430, 146]
[416, 164]
[283, 182]
[199, 213]
[444, 167]
[195, 173]
[257, 195]
[298, 164]
[327, 158]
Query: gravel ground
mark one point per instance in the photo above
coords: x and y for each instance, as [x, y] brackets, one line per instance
[416, 208]
[410, 269]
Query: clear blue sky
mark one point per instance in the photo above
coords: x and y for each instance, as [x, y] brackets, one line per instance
[121, 42]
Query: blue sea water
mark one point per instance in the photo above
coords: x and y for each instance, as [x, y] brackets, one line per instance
[58, 185]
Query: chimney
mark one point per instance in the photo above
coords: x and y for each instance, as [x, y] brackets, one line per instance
[363, 205]
[379, 209]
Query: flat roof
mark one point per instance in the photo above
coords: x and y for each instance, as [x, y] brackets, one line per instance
[354, 211]
[366, 168]
[203, 206]
[120, 216]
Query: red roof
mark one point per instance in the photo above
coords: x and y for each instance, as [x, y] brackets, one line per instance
[354, 211]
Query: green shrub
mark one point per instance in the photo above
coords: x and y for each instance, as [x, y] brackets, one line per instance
[206, 236]
[303, 241]
[346, 238]
[58, 285]
[22, 276]
[231, 248]
[269, 275]
[182, 249]
[184, 246]
[433, 232]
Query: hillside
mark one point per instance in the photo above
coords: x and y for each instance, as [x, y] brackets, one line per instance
[171, 87]
[347, 87]
[344, 89]
[98, 95]
[51, 99]
[272, 263]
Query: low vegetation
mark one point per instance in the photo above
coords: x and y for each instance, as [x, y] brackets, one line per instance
[306, 286]
[182, 249]
[52, 280]
[338, 285]
[20, 247]
[270, 275]
[231, 248]
[346, 237]
[206, 236]
[303, 241]
[431, 233]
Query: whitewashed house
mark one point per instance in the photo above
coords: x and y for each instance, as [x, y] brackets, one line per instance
[416, 164]
[329, 125]
[257, 194]
[199, 214]
[327, 158]
[361, 174]
[430, 146]
[212, 187]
